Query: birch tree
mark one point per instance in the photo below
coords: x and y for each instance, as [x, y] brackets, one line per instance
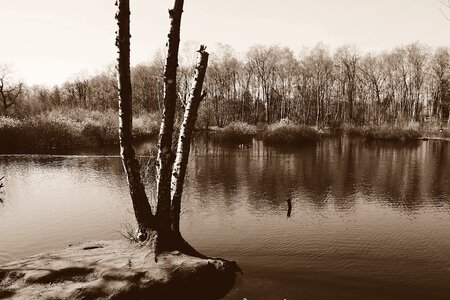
[161, 227]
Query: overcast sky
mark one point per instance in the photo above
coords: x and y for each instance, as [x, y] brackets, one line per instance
[48, 41]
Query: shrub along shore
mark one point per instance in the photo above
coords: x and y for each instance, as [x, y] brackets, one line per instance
[79, 128]
[69, 129]
[288, 133]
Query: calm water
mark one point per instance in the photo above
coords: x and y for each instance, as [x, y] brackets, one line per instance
[368, 221]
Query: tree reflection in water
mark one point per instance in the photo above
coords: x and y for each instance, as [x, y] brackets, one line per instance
[337, 172]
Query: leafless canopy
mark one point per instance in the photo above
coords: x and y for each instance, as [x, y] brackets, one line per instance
[9, 91]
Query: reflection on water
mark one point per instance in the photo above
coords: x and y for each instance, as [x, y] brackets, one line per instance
[405, 176]
[340, 219]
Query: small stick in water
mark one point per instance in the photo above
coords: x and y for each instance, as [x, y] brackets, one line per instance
[289, 203]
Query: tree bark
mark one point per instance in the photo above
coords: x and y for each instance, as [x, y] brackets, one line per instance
[142, 209]
[185, 137]
[165, 155]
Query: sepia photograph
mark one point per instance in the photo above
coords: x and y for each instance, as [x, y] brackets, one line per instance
[235, 150]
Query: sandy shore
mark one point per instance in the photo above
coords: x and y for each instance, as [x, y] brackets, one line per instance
[115, 270]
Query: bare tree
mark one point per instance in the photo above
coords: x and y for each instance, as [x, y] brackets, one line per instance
[317, 83]
[142, 209]
[262, 62]
[373, 78]
[165, 156]
[160, 227]
[347, 58]
[9, 91]
[147, 87]
[102, 91]
[184, 140]
[439, 83]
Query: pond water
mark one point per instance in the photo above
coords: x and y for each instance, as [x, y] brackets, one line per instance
[368, 220]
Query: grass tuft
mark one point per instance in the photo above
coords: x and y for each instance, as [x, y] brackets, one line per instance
[235, 133]
[393, 133]
[384, 132]
[286, 132]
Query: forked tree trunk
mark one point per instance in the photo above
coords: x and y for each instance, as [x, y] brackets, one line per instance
[185, 137]
[165, 155]
[142, 209]
[163, 225]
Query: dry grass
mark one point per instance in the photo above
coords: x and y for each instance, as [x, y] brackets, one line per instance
[288, 133]
[69, 129]
[393, 133]
[235, 133]
[408, 131]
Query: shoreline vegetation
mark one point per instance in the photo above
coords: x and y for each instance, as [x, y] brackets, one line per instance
[398, 94]
[288, 133]
[79, 128]
[70, 129]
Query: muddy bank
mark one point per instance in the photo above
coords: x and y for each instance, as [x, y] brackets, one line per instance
[115, 270]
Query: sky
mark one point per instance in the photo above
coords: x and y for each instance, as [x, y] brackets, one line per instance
[50, 41]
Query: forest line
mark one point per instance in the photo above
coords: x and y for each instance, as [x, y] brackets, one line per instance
[319, 87]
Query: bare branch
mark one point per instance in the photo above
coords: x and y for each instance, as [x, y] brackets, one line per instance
[443, 13]
[447, 4]
[9, 91]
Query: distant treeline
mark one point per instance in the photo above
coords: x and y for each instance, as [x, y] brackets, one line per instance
[318, 87]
